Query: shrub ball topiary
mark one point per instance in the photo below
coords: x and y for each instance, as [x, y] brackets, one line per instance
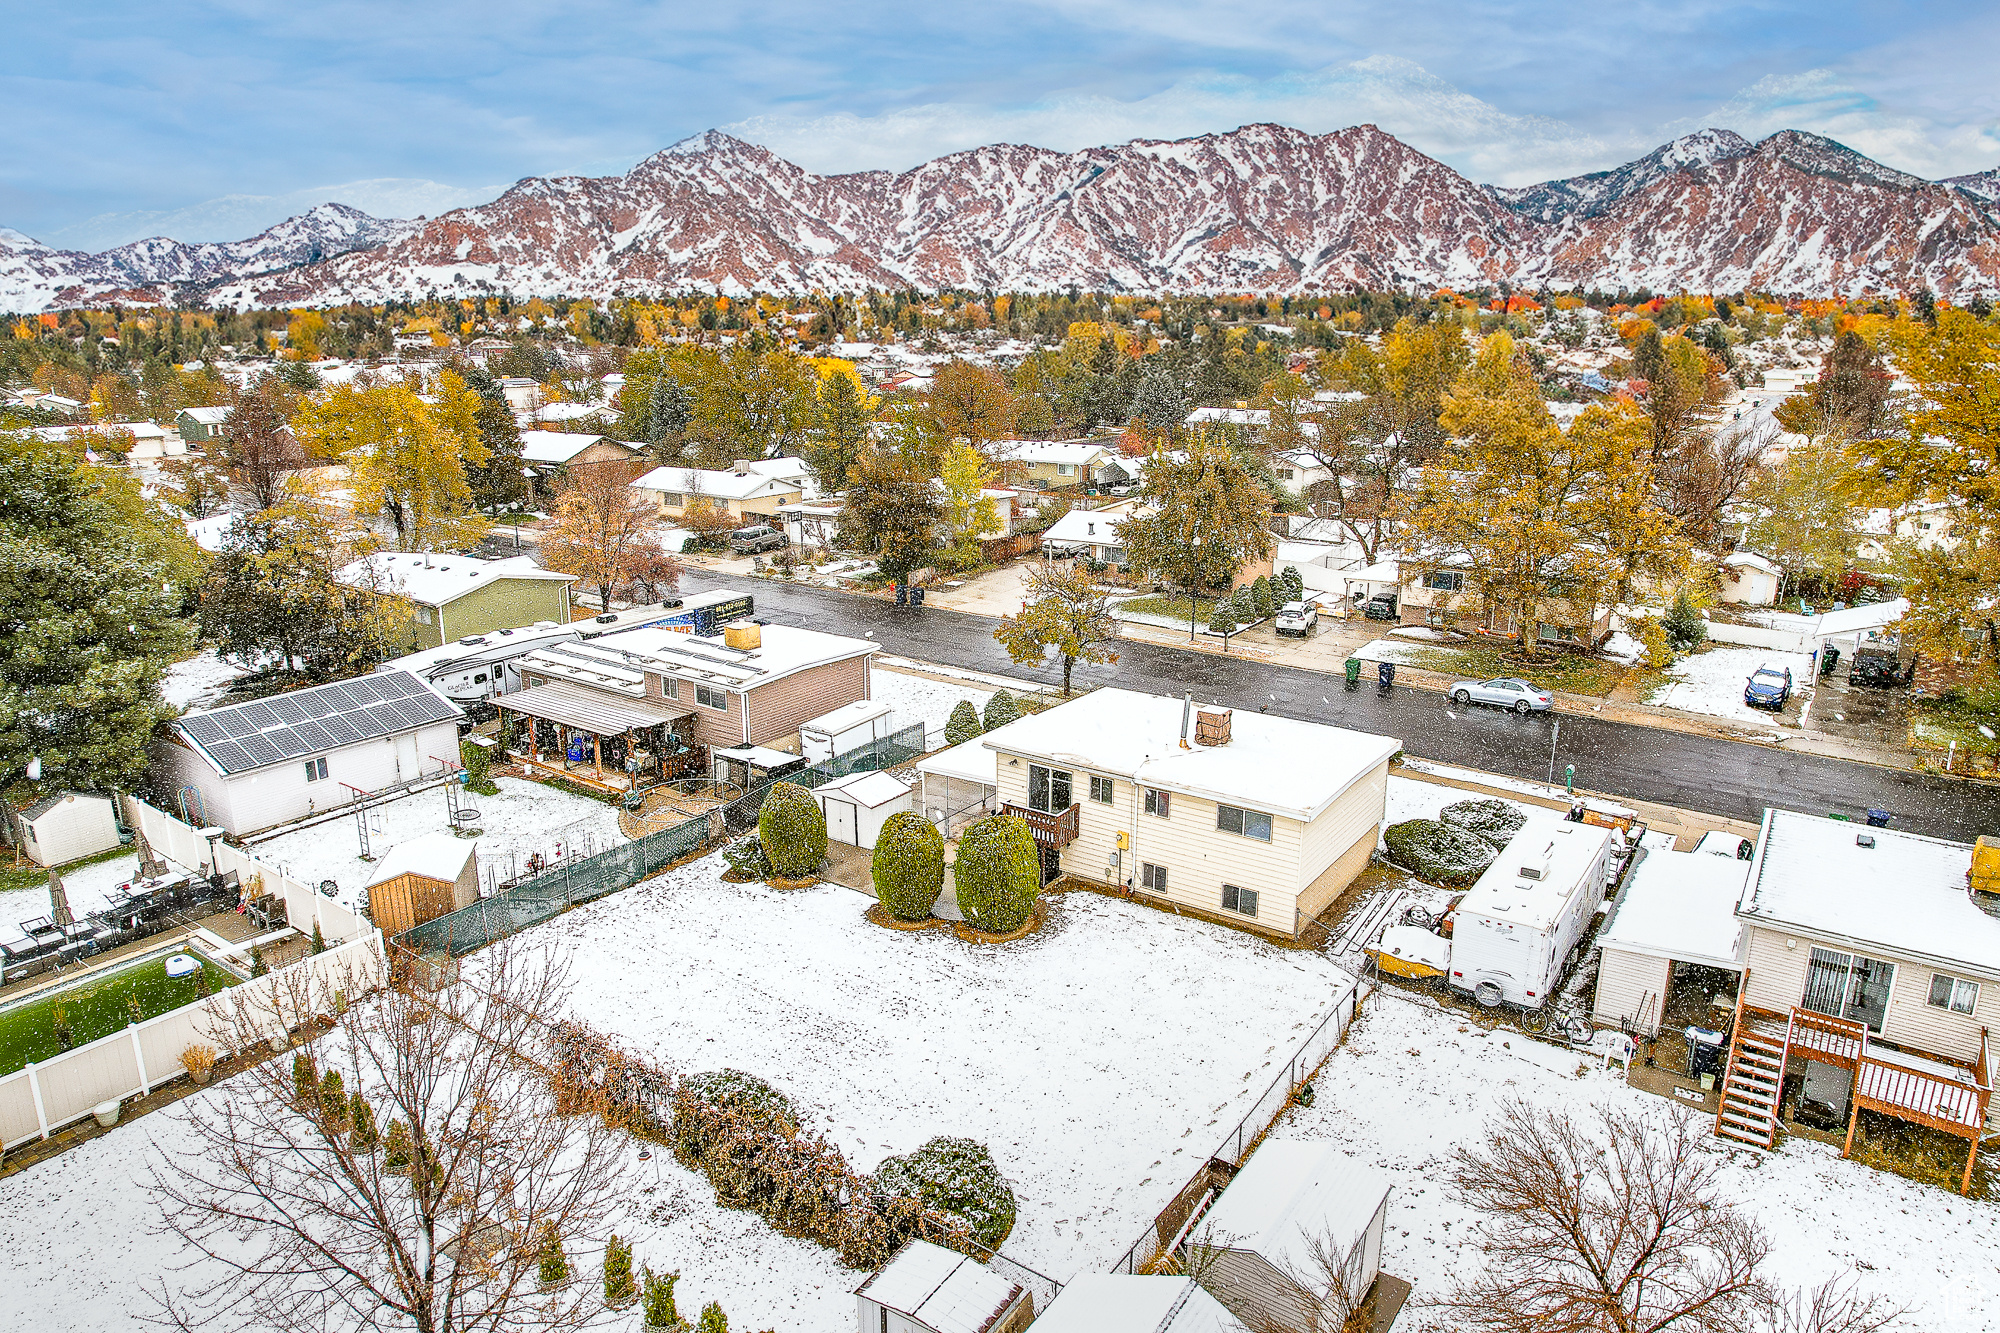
[792, 828]
[908, 866]
[998, 874]
[1437, 851]
[1000, 710]
[744, 1094]
[957, 1177]
[964, 724]
[1487, 817]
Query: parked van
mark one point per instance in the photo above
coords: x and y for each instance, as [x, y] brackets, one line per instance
[1516, 929]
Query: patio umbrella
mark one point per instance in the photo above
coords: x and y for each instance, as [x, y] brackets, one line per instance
[149, 865]
[59, 901]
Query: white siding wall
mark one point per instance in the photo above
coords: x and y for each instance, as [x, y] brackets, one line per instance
[1358, 810]
[1624, 981]
[77, 826]
[1778, 982]
[277, 793]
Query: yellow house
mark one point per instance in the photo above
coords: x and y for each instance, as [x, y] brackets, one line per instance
[1256, 820]
[749, 492]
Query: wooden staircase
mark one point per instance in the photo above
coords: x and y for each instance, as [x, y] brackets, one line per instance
[1752, 1083]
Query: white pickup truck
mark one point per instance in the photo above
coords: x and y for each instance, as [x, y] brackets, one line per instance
[1298, 618]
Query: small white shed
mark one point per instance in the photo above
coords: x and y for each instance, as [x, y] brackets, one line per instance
[1122, 1303]
[1677, 907]
[68, 826]
[926, 1288]
[857, 806]
[1749, 579]
[845, 730]
[1297, 1235]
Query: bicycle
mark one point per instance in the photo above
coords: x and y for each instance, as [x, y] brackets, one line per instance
[1565, 1021]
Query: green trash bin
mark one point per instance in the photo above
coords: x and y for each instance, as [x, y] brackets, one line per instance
[1353, 671]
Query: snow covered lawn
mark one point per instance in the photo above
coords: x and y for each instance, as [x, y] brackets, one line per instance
[916, 697]
[1099, 1061]
[1712, 682]
[199, 681]
[1413, 1081]
[89, 888]
[525, 817]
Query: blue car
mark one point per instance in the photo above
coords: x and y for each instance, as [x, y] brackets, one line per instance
[1768, 688]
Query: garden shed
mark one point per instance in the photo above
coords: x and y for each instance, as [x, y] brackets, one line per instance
[858, 805]
[1127, 1303]
[1677, 907]
[423, 879]
[67, 827]
[926, 1288]
[1300, 1226]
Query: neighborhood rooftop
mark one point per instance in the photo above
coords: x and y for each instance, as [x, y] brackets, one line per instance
[1906, 893]
[620, 661]
[1680, 905]
[251, 735]
[1273, 763]
[434, 579]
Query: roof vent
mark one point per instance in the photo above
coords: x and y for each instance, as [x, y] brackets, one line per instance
[1864, 840]
[1211, 726]
[1536, 866]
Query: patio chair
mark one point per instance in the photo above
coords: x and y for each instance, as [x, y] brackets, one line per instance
[1614, 1046]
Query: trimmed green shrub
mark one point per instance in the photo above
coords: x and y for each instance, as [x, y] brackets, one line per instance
[998, 874]
[958, 1178]
[1260, 595]
[333, 1099]
[739, 1093]
[1437, 851]
[656, 1305]
[963, 725]
[792, 828]
[619, 1289]
[1291, 585]
[478, 762]
[1222, 620]
[305, 1081]
[712, 1320]
[397, 1150]
[552, 1269]
[1000, 710]
[1686, 630]
[1488, 817]
[747, 858]
[908, 866]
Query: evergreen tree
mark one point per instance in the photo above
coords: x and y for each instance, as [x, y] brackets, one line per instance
[839, 432]
[669, 414]
[619, 1289]
[712, 1320]
[963, 724]
[496, 481]
[1202, 517]
[553, 1268]
[1160, 401]
[1685, 628]
[1000, 710]
[656, 1304]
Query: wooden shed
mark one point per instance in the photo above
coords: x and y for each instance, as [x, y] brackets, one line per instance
[1297, 1236]
[67, 827]
[423, 879]
[925, 1288]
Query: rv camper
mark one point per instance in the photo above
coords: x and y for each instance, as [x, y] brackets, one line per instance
[1515, 930]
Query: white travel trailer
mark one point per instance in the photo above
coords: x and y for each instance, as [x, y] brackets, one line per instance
[1517, 927]
[846, 729]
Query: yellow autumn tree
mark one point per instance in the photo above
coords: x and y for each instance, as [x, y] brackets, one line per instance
[407, 457]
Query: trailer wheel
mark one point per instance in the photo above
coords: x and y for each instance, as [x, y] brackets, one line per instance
[1487, 994]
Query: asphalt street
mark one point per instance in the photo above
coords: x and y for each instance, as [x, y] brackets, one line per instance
[1692, 772]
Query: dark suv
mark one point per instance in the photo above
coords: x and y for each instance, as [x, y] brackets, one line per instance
[1382, 606]
[749, 541]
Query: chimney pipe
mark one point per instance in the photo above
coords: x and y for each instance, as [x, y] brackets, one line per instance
[1187, 709]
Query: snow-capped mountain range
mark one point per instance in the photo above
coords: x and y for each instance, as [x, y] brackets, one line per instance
[1261, 208]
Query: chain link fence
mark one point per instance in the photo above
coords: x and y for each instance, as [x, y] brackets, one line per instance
[582, 879]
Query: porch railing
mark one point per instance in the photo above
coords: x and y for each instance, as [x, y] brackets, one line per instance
[1941, 1103]
[1056, 830]
[1840, 1041]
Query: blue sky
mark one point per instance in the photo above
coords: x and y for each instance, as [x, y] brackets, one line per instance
[210, 120]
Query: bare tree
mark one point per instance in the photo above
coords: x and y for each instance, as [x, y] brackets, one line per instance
[404, 1169]
[1619, 1223]
[1323, 1292]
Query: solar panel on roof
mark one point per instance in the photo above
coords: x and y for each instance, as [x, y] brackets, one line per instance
[381, 719]
[204, 730]
[315, 735]
[231, 756]
[261, 715]
[260, 749]
[288, 741]
[288, 709]
[369, 689]
[343, 731]
[399, 684]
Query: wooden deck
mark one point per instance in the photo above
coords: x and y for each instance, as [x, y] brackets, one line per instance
[1057, 830]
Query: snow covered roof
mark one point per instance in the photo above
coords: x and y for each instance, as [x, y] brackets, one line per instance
[1276, 764]
[968, 761]
[720, 485]
[847, 716]
[208, 533]
[1874, 615]
[1680, 905]
[555, 446]
[1749, 560]
[1093, 527]
[1050, 451]
[1568, 850]
[1228, 416]
[873, 790]
[207, 416]
[620, 661]
[1121, 1303]
[1905, 895]
[940, 1289]
[313, 721]
[1292, 1192]
[432, 579]
[439, 856]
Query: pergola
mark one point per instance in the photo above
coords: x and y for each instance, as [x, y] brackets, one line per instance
[652, 739]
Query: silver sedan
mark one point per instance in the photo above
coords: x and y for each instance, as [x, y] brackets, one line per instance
[1503, 692]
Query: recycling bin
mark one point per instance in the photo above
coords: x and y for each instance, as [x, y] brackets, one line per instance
[1353, 671]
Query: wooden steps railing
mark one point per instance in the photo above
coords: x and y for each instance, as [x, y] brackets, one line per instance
[1056, 830]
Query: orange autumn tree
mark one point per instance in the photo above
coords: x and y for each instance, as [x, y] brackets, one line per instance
[605, 533]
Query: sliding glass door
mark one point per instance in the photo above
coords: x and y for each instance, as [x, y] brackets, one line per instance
[1848, 986]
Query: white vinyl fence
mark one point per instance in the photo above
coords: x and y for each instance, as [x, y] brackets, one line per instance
[305, 906]
[42, 1098]
[1755, 636]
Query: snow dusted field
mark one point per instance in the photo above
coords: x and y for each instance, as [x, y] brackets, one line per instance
[199, 681]
[1413, 1081]
[1099, 1061]
[89, 888]
[525, 817]
[1712, 682]
[915, 697]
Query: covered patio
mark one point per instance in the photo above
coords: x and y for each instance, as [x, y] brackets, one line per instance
[604, 742]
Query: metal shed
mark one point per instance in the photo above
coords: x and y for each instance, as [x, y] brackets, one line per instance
[858, 805]
[926, 1288]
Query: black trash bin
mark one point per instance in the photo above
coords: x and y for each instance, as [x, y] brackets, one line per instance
[1878, 819]
[1707, 1052]
[1385, 673]
[902, 594]
[916, 597]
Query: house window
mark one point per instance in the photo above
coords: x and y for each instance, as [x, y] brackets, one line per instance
[1249, 823]
[669, 688]
[423, 615]
[1153, 878]
[672, 499]
[316, 770]
[709, 696]
[1100, 789]
[1065, 469]
[1049, 789]
[1556, 633]
[1961, 997]
[1158, 803]
[1848, 986]
[1239, 900]
[1284, 474]
[1445, 580]
[1435, 615]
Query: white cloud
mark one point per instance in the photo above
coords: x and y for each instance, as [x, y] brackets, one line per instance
[1402, 97]
[235, 216]
[1825, 102]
